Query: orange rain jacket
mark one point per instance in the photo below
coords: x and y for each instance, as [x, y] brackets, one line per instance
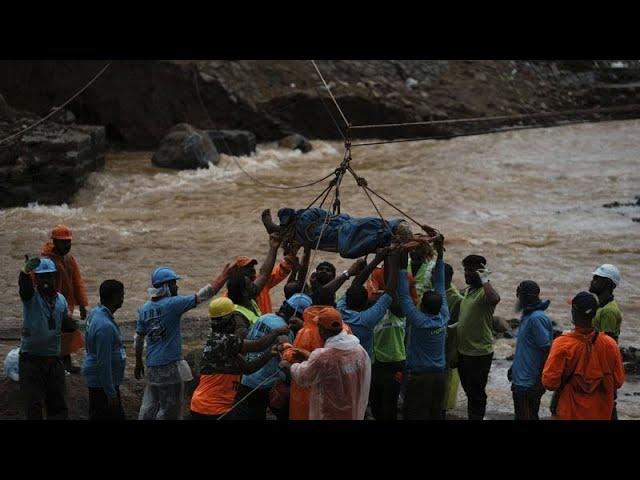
[278, 274]
[68, 278]
[308, 338]
[597, 374]
[375, 285]
[70, 284]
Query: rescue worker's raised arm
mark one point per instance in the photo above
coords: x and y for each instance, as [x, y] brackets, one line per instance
[212, 288]
[337, 282]
[267, 266]
[25, 284]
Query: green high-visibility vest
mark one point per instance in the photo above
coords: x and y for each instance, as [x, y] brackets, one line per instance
[251, 316]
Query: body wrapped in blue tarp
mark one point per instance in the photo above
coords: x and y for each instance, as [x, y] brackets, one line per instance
[351, 237]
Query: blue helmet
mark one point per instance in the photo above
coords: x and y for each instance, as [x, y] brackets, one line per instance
[163, 274]
[299, 302]
[46, 266]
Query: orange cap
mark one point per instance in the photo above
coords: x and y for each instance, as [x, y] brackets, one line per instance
[243, 261]
[61, 232]
[330, 319]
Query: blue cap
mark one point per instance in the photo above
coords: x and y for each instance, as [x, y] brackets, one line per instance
[46, 266]
[162, 275]
[585, 303]
[299, 302]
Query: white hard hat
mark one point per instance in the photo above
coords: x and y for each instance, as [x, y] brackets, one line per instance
[608, 271]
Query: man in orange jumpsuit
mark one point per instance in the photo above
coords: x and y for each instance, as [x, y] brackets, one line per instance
[70, 284]
[584, 365]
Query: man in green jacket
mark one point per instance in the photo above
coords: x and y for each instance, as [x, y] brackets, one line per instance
[608, 316]
[454, 299]
[475, 337]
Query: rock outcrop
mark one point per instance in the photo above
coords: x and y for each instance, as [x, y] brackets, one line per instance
[239, 143]
[274, 99]
[49, 163]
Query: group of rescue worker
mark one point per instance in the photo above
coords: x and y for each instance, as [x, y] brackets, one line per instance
[401, 333]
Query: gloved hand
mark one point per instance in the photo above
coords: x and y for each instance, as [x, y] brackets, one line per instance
[484, 275]
[30, 264]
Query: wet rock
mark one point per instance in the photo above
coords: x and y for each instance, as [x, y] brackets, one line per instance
[411, 83]
[63, 116]
[296, 142]
[239, 143]
[49, 163]
[500, 325]
[617, 204]
[631, 360]
[514, 323]
[185, 148]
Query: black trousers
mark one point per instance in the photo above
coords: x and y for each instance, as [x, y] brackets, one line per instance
[255, 406]
[423, 399]
[99, 408]
[526, 403]
[42, 385]
[385, 389]
[474, 374]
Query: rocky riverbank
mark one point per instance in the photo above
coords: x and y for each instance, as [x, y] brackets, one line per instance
[139, 101]
[49, 163]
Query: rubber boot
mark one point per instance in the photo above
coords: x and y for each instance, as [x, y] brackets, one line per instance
[268, 222]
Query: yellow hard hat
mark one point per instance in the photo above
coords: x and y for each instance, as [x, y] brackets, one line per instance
[219, 307]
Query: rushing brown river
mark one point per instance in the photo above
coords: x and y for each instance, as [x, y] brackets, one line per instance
[529, 201]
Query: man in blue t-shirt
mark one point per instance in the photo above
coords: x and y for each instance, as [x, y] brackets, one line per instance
[535, 335]
[254, 406]
[425, 364]
[45, 316]
[159, 322]
[105, 357]
[353, 306]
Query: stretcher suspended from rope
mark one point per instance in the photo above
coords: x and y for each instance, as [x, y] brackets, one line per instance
[334, 231]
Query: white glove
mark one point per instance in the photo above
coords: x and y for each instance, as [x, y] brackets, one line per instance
[484, 275]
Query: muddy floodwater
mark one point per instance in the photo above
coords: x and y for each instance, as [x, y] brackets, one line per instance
[530, 201]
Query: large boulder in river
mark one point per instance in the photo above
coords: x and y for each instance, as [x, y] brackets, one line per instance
[184, 148]
[296, 142]
[239, 143]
